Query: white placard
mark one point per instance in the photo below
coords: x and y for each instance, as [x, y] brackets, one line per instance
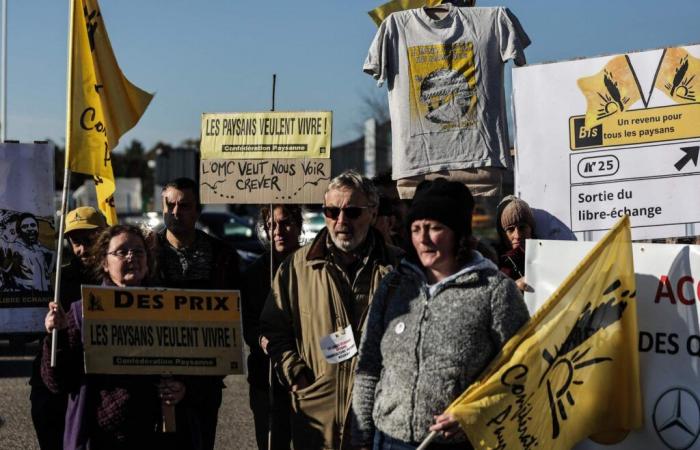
[603, 136]
[668, 292]
[339, 346]
[27, 235]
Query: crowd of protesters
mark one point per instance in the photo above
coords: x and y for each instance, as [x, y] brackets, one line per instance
[392, 280]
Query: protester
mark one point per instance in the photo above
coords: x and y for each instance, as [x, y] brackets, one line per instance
[188, 258]
[515, 223]
[106, 411]
[48, 409]
[434, 325]
[320, 294]
[391, 211]
[283, 235]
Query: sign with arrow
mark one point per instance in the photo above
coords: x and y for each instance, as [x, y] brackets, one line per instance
[602, 137]
[691, 154]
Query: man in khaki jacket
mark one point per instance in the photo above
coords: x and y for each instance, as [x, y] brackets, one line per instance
[318, 307]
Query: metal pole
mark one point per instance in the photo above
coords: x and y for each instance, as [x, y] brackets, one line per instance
[66, 176]
[3, 82]
[270, 376]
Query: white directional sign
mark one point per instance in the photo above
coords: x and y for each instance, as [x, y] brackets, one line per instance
[602, 137]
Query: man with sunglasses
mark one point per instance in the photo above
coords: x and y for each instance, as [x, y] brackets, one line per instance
[317, 310]
[83, 225]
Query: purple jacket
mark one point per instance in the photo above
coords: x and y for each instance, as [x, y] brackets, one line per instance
[102, 409]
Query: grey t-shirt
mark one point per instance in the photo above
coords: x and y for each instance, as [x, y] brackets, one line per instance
[445, 80]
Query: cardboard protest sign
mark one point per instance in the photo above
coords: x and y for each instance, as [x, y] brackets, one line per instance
[264, 181]
[668, 304]
[614, 135]
[27, 236]
[161, 331]
[275, 134]
[271, 157]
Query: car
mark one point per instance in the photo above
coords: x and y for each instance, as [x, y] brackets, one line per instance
[234, 229]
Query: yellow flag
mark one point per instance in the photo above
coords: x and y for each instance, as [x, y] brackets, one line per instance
[103, 104]
[573, 370]
[679, 75]
[380, 13]
[610, 91]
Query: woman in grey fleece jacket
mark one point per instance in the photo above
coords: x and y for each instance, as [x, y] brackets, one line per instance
[435, 323]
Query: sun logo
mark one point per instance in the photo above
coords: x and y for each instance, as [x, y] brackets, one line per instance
[564, 367]
[681, 85]
[94, 303]
[612, 101]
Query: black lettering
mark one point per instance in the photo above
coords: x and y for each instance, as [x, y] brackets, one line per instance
[123, 299]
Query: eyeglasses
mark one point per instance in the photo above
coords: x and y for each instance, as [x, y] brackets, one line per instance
[351, 212]
[124, 253]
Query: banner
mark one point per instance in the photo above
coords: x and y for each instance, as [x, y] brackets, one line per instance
[380, 13]
[550, 387]
[266, 135]
[300, 181]
[161, 331]
[615, 135]
[668, 298]
[103, 103]
[27, 236]
[273, 157]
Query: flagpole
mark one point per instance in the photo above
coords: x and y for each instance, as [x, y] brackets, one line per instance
[66, 177]
[270, 376]
[3, 83]
[426, 442]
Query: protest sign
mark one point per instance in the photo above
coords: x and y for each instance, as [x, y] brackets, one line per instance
[275, 134]
[270, 157]
[27, 235]
[614, 135]
[668, 298]
[161, 331]
[264, 180]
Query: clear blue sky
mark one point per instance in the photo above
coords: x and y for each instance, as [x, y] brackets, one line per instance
[219, 55]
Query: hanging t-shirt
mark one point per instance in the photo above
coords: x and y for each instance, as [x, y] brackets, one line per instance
[445, 80]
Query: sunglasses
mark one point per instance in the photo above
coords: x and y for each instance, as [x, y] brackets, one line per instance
[351, 212]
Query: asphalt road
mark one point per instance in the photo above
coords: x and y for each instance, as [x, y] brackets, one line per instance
[235, 430]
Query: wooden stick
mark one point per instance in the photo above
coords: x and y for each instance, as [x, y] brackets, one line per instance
[426, 442]
[168, 412]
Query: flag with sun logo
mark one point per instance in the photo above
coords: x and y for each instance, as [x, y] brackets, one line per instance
[679, 73]
[609, 92]
[570, 373]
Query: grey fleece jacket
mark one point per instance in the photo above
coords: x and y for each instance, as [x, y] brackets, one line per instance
[424, 345]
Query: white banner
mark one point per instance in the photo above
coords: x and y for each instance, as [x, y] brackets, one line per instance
[614, 135]
[27, 235]
[668, 292]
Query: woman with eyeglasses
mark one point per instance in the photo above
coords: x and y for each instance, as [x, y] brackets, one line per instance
[106, 411]
[435, 323]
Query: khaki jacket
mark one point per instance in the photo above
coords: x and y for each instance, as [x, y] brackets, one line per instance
[312, 297]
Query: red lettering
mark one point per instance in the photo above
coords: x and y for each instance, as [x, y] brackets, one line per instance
[664, 285]
[681, 297]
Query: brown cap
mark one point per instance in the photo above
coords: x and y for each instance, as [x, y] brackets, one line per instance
[84, 218]
[515, 212]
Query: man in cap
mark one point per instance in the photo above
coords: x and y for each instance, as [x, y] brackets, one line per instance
[319, 303]
[83, 225]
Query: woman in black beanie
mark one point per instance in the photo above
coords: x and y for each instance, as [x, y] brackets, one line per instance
[435, 323]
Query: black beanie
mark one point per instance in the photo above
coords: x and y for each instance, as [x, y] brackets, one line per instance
[448, 202]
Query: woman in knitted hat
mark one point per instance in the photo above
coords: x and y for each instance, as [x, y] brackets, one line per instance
[516, 223]
[435, 323]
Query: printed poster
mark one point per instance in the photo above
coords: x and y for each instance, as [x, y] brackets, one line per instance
[443, 87]
[161, 331]
[270, 157]
[602, 137]
[27, 236]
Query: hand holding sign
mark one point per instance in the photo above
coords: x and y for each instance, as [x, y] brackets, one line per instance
[55, 318]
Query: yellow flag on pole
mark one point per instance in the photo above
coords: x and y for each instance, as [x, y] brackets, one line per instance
[573, 370]
[380, 13]
[103, 104]
[609, 92]
[679, 75]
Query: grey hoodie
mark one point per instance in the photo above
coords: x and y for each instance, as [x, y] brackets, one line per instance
[424, 345]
